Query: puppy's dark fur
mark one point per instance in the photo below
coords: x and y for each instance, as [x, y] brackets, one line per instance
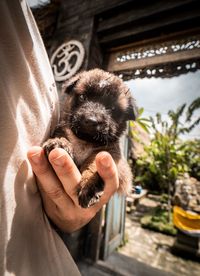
[93, 119]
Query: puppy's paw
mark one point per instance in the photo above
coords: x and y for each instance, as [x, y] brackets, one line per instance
[90, 194]
[53, 143]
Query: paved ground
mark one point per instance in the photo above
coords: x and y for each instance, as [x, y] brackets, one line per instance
[146, 253]
[152, 248]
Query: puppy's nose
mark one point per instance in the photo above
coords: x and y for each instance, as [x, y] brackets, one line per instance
[90, 121]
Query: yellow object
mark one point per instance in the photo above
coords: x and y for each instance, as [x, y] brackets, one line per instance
[186, 221]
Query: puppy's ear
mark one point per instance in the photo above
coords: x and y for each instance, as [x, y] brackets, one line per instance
[69, 85]
[132, 110]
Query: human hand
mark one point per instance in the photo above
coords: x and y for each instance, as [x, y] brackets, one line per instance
[58, 186]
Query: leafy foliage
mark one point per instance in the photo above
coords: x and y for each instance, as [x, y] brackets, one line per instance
[191, 149]
[168, 157]
[142, 122]
[159, 221]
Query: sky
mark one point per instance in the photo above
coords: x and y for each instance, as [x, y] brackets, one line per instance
[160, 95]
[33, 3]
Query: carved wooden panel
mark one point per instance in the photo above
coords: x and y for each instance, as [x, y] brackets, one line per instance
[161, 59]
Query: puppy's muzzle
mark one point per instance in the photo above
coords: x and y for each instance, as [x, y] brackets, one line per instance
[91, 117]
[92, 124]
[90, 121]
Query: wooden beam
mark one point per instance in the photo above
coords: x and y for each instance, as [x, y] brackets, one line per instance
[137, 11]
[115, 66]
[156, 40]
[150, 25]
[93, 241]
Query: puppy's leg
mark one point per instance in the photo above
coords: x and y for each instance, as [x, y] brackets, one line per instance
[91, 186]
[56, 142]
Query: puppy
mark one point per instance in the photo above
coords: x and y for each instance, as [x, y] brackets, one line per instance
[93, 119]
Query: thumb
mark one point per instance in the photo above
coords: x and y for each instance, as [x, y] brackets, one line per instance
[107, 169]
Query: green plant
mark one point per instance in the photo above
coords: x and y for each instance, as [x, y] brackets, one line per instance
[168, 157]
[191, 151]
[164, 198]
[159, 221]
[141, 121]
[161, 164]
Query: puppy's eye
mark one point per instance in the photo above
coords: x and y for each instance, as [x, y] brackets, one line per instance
[113, 108]
[82, 98]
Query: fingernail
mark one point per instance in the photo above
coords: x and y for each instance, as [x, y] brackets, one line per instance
[59, 161]
[105, 161]
[36, 158]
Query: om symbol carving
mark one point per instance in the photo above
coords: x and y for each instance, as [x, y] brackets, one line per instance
[67, 60]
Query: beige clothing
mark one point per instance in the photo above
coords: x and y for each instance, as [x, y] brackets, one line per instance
[28, 111]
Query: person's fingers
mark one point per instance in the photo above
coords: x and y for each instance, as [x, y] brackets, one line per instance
[69, 175]
[58, 186]
[107, 169]
[47, 180]
[66, 170]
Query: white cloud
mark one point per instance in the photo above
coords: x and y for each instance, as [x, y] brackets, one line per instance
[161, 95]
